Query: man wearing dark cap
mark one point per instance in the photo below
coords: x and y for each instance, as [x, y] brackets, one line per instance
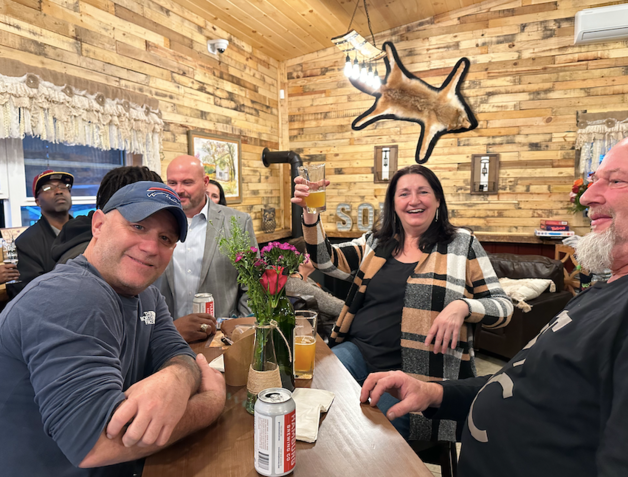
[52, 193]
[93, 371]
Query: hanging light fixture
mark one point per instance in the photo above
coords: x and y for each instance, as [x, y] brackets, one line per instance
[363, 73]
[353, 41]
[355, 70]
[348, 66]
[376, 81]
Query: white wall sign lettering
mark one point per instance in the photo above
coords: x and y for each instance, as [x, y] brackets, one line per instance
[365, 224]
[362, 227]
[346, 223]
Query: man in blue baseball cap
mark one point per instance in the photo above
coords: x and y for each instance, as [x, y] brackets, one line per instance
[94, 372]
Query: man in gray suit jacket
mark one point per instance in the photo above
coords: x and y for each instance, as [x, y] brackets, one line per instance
[198, 266]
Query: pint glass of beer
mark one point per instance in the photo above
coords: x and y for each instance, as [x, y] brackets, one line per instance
[9, 251]
[314, 174]
[304, 344]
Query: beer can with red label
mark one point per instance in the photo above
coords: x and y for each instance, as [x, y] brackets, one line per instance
[203, 303]
[275, 432]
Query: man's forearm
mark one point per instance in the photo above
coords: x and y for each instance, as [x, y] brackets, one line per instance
[456, 398]
[201, 411]
[190, 373]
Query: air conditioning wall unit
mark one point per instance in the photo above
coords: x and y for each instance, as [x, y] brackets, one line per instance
[601, 24]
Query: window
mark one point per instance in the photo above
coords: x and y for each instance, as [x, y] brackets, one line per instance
[87, 164]
[26, 158]
[31, 213]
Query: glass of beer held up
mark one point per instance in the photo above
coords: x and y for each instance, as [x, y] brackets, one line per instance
[304, 344]
[314, 174]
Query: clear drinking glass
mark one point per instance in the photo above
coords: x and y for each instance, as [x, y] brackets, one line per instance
[304, 344]
[314, 174]
[10, 254]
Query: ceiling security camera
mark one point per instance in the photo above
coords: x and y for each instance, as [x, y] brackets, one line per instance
[217, 46]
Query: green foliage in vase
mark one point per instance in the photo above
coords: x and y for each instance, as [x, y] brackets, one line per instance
[284, 314]
[263, 274]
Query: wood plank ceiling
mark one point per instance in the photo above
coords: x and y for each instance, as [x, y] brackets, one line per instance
[285, 29]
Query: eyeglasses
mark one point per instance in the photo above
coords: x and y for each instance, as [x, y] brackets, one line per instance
[49, 187]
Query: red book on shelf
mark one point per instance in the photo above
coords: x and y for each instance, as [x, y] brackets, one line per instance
[554, 222]
[556, 228]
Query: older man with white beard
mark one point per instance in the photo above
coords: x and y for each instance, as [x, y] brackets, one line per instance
[607, 199]
[560, 406]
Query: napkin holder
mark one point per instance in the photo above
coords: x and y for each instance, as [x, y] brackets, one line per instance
[239, 355]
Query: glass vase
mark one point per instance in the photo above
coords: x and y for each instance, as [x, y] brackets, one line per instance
[264, 371]
[284, 315]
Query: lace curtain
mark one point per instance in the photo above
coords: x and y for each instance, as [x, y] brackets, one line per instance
[65, 114]
[595, 138]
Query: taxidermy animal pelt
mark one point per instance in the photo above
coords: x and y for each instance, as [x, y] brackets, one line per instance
[406, 97]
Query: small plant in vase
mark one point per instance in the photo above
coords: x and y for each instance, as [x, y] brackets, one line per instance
[265, 276]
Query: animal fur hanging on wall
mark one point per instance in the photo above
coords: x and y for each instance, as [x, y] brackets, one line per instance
[405, 97]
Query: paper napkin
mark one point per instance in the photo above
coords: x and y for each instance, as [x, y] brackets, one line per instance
[310, 403]
[218, 363]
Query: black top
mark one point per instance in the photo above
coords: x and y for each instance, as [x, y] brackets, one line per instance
[376, 328]
[73, 239]
[560, 406]
[33, 254]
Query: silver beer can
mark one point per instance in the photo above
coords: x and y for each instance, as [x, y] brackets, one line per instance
[203, 303]
[275, 432]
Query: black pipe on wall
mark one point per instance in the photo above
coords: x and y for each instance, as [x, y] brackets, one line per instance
[292, 158]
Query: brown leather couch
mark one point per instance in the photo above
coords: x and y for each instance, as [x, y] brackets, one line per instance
[509, 340]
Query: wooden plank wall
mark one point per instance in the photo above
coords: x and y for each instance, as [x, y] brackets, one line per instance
[525, 85]
[158, 48]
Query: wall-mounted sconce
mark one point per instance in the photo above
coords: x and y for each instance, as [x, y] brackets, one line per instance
[484, 173]
[385, 163]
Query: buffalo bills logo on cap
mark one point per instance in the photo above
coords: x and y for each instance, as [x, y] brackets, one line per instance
[155, 191]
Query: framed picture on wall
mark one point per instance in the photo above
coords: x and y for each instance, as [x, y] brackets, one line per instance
[221, 157]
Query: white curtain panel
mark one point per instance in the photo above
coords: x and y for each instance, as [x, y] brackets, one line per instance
[62, 114]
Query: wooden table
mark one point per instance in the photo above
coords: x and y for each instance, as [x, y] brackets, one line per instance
[353, 439]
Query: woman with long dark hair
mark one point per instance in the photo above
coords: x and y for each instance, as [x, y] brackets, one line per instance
[216, 193]
[419, 286]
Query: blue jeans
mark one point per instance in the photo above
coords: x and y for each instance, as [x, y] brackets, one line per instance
[350, 356]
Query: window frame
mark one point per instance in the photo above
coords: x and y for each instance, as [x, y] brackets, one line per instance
[13, 177]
